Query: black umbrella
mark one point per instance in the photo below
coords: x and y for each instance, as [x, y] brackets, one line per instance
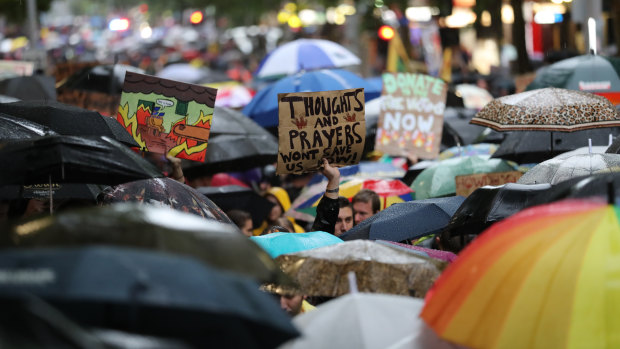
[82, 191]
[30, 88]
[146, 226]
[599, 185]
[30, 322]
[148, 293]
[14, 128]
[165, 192]
[67, 159]
[236, 143]
[68, 120]
[107, 78]
[230, 197]
[489, 204]
[537, 146]
[456, 124]
[407, 220]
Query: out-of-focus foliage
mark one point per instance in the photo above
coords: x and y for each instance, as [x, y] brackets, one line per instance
[15, 10]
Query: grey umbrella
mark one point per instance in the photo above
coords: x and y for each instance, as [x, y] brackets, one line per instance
[560, 169]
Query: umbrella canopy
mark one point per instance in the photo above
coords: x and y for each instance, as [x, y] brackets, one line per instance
[390, 191]
[540, 278]
[236, 143]
[30, 88]
[68, 159]
[232, 94]
[407, 220]
[305, 54]
[591, 73]
[382, 321]
[231, 197]
[560, 169]
[456, 123]
[428, 252]
[474, 97]
[150, 227]
[583, 151]
[29, 322]
[107, 78]
[439, 179]
[264, 106]
[468, 150]
[526, 147]
[13, 128]
[490, 204]
[378, 269]
[365, 169]
[82, 191]
[143, 291]
[68, 120]
[548, 109]
[184, 72]
[282, 243]
[164, 192]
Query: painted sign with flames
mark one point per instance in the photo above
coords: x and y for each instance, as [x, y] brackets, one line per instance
[166, 116]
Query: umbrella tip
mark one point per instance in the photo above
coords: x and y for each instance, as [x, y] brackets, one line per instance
[611, 193]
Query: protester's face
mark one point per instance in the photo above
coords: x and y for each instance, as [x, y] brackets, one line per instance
[362, 211]
[345, 220]
[291, 304]
[246, 229]
[276, 211]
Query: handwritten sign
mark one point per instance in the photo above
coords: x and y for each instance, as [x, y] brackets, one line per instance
[411, 118]
[316, 125]
[166, 116]
[466, 185]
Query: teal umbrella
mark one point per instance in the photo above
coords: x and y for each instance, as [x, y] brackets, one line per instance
[283, 243]
[439, 179]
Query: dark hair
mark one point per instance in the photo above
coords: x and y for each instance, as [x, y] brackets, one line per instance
[367, 195]
[239, 217]
[454, 243]
[281, 225]
[344, 202]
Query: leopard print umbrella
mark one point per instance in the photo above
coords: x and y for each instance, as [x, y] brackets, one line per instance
[548, 109]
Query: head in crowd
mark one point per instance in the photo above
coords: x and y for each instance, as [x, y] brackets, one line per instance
[365, 204]
[345, 216]
[242, 219]
[292, 303]
[280, 198]
[281, 225]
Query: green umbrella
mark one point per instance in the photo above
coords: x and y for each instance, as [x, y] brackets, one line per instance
[589, 73]
[439, 179]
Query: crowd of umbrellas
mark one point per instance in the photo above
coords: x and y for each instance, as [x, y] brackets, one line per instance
[125, 256]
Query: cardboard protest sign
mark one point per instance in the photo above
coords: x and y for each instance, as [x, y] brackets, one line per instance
[166, 116]
[411, 118]
[316, 125]
[466, 185]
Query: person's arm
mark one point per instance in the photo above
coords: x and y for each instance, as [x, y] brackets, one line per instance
[177, 170]
[327, 210]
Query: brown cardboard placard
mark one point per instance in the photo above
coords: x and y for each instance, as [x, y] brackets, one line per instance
[466, 185]
[316, 125]
[411, 118]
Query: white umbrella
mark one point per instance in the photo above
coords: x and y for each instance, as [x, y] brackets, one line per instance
[305, 54]
[364, 320]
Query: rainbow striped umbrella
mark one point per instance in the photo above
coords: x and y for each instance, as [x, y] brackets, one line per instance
[390, 191]
[545, 278]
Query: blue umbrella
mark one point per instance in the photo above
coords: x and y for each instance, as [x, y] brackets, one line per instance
[284, 243]
[147, 292]
[407, 220]
[264, 106]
